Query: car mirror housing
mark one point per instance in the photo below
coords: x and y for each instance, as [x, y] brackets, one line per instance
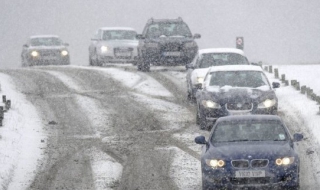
[275, 85]
[139, 36]
[297, 137]
[25, 45]
[200, 140]
[196, 36]
[188, 66]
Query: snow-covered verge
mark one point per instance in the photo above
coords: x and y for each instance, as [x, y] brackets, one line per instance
[22, 139]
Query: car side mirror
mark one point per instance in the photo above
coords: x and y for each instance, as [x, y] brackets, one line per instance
[196, 36]
[200, 140]
[25, 45]
[297, 137]
[275, 85]
[139, 36]
[189, 66]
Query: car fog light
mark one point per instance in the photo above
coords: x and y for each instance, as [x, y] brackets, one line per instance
[34, 54]
[210, 104]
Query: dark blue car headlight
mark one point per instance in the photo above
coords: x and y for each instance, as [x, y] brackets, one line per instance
[210, 104]
[284, 161]
[267, 103]
[215, 163]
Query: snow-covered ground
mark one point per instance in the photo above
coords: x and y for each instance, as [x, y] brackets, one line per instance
[18, 165]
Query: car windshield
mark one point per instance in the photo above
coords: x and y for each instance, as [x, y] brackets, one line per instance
[216, 59]
[45, 41]
[251, 79]
[119, 35]
[235, 131]
[156, 30]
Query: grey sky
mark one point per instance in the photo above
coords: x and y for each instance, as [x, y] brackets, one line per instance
[275, 32]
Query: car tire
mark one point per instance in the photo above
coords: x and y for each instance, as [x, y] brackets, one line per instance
[144, 65]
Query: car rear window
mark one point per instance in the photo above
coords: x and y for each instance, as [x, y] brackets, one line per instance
[216, 59]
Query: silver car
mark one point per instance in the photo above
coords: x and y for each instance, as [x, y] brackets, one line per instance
[45, 50]
[113, 45]
[204, 59]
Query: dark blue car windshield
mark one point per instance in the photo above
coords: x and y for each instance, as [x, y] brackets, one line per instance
[249, 131]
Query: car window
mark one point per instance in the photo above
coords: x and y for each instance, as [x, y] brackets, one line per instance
[251, 79]
[168, 29]
[119, 35]
[249, 131]
[45, 42]
[216, 59]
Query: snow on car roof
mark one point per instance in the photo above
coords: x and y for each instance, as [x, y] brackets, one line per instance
[221, 50]
[117, 28]
[235, 68]
[45, 36]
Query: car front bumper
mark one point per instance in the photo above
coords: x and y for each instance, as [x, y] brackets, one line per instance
[56, 60]
[276, 178]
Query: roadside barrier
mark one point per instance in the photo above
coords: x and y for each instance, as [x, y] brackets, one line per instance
[4, 107]
[305, 90]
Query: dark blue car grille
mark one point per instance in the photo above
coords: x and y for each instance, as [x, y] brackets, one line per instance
[257, 163]
[239, 106]
[240, 163]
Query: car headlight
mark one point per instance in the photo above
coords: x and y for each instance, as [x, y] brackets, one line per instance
[214, 163]
[210, 104]
[200, 79]
[152, 45]
[104, 49]
[284, 161]
[267, 103]
[34, 54]
[189, 44]
[64, 52]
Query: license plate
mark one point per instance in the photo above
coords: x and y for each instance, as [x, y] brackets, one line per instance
[250, 173]
[175, 53]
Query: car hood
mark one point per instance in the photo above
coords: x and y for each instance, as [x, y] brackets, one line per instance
[120, 43]
[228, 94]
[200, 72]
[240, 150]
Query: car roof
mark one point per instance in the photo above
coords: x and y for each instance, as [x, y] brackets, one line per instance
[235, 68]
[44, 36]
[248, 118]
[117, 28]
[221, 50]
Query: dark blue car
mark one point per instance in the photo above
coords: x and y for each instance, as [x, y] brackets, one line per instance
[250, 152]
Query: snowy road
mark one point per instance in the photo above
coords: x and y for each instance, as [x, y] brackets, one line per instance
[116, 128]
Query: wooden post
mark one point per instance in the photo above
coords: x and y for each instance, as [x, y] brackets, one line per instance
[286, 82]
[270, 68]
[303, 89]
[4, 98]
[8, 104]
[276, 73]
[298, 85]
[283, 77]
[266, 68]
[1, 115]
[293, 83]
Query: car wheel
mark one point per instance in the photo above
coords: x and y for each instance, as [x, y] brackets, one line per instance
[144, 65]
[90, 62]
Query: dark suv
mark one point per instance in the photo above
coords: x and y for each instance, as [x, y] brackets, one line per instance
[166, 42]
